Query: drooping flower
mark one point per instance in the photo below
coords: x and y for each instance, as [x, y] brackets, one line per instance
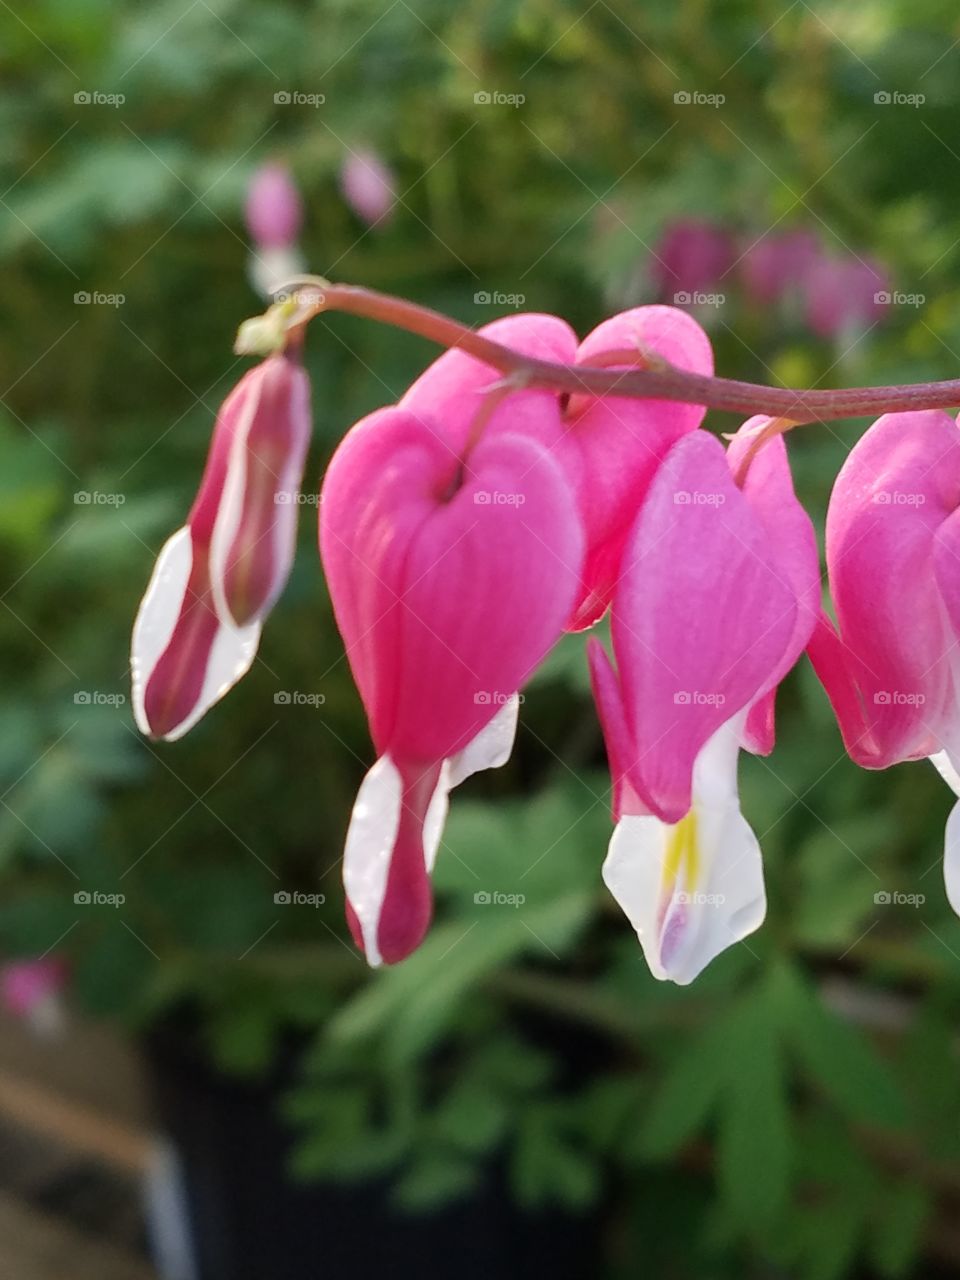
[452, 570]
[608, 446]
[198, 627]
[274, 217]
[844, 295]
[33, 990]
[692, 256]
[892, 538]
[368, 186]
[891, 665]
[778, 264]
[715, 601]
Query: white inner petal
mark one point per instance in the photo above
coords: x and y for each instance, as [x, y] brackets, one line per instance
[371, 836]
[436, 817]
[491, 747]
[158, 614]
[270, 266]
[231, 657]
[230, 507]
[951, 858]
[947, 770]
[231, 654]
[375, 820]
[693, 888]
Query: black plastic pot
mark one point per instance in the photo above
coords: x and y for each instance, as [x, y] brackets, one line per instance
[242, 1217]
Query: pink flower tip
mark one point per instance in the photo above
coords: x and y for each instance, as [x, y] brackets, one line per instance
[368, 186]
[274, 210]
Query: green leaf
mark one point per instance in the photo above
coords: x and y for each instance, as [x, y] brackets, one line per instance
[435, 1179]
[898, 1233]
[838, 1057]
[691, 1087]
[754, 1150]
[546, 1166]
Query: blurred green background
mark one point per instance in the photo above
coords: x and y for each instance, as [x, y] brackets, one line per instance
[798, 1108]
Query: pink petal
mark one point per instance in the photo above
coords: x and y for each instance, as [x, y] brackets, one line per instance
[613, 445]
[888, 548]
[621, 750]
[274, 211]
[183, 657]
[768, 488]
[253, 539]
[454, 389]
[449, 583]
[702, 617]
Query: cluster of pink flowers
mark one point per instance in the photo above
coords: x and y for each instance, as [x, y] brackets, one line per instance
[464, 529]
[836, 293]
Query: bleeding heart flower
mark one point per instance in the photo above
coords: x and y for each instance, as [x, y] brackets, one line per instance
[692, 256]
[274, 210]
[33, 990]
[452, 571]
[198, 626]
[368, 186]
[274, 216]
[715, 601]
[777, 265]
[845, 295]
[608, 446]
[891, 666]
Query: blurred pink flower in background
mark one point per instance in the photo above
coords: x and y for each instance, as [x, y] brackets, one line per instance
[274, 217]
[844, 294]
[692, 256]
[32, 990]
[776, 265]
[368, 186]
[274, 210]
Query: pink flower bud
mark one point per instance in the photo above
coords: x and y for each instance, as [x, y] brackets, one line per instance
[368, 186]
[274, 210]
[198, 626]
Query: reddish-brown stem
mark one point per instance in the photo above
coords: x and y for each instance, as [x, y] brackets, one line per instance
[665, 382]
